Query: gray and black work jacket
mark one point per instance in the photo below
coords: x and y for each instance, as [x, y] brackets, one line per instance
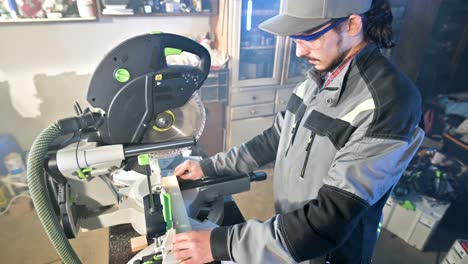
[338, 151]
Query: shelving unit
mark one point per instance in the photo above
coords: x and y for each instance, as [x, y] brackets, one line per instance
[37, 11]
[202, 14]
[149, 8]
[257, 47]
[35, 20]
[261, 12]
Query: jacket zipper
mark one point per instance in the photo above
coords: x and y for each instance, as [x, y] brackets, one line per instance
[309, 146]
[293, 132]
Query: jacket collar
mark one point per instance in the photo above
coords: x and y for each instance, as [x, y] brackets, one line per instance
[334, 89]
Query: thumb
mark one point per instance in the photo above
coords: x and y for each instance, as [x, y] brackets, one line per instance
[179, 170]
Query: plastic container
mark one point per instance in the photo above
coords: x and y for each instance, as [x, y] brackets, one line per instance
[11, 158]
[85, 8]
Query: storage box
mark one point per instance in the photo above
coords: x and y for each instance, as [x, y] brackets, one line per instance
[458, 253]
[215, 87]
[388, 211]
[414, 227]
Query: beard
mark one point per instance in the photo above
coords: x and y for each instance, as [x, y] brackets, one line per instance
[335, 63]
[339, 59]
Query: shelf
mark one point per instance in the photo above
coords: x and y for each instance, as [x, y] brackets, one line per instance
[262, 12]
[202, 14]
[65, 19]
[257, 47]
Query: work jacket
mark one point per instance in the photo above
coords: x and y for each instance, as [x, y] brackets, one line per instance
[338, 152]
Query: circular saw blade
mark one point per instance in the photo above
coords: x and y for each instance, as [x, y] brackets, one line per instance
[181, 122]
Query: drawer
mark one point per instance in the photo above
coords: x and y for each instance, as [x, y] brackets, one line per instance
[252, 97]
[282, 99]
[243, 130]
[250, 111]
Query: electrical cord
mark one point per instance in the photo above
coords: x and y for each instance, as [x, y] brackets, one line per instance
[23, 194]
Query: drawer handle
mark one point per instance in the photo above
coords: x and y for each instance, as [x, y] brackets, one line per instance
[253, 111]
[254, 97]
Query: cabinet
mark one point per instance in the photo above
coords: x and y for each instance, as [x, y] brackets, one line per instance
[264, 69]
[245, 129]
[256, 54]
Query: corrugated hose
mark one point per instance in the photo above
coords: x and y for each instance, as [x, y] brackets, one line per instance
[40, 196]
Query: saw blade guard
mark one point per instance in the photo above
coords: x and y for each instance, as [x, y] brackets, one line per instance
[138, 91]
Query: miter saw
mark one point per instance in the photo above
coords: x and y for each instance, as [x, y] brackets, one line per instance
[81, 170]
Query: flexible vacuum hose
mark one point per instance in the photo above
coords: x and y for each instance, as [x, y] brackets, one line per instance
[40, 197]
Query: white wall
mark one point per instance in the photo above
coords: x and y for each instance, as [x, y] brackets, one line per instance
[29, 50]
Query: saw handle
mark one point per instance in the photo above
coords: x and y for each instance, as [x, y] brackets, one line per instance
[87, 121]
[257, 176]
[188, 45]
[189, 184]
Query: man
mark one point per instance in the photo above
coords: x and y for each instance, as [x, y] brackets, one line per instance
[349, 131]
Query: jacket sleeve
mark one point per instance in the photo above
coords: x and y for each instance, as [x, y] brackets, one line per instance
[362, 171]
[257, 152]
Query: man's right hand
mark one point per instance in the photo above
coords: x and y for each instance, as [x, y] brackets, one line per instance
[189, 170]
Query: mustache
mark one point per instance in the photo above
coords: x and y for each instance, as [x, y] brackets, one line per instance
[305, 57]
[311, 58]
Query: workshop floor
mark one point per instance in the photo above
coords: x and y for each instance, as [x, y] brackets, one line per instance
[22, 239]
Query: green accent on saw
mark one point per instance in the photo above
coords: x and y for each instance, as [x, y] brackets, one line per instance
[169, 127]
[167, 210]
[408, 205]
[148, 262]
[143, 159]
[84, 173]
[172, 51]
[122, 75]
[156, 32]
[157, 257]
[99, 110]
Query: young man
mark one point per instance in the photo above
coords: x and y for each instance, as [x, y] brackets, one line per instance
[349, 132]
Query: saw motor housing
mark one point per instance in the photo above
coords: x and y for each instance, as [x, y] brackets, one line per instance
[134, 83]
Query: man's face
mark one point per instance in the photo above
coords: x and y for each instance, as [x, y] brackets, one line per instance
[326, 52]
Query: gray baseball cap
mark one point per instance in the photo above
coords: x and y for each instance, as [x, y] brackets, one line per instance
[301, 15]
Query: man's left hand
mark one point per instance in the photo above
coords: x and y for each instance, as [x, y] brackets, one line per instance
[193, 247]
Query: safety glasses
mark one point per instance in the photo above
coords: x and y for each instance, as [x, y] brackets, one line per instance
[320, 33]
